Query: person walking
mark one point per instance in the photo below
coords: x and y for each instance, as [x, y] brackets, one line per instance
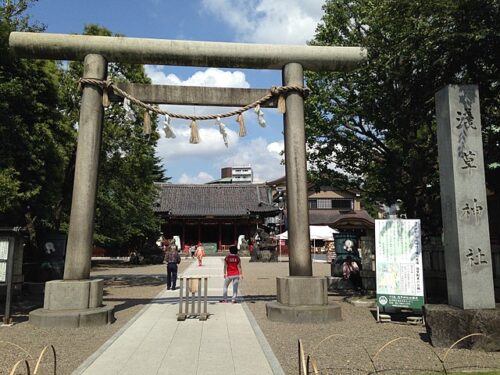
[232, 273]
[200, 253]
[172, 258]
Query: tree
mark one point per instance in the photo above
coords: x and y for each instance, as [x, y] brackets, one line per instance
[374, 128]
[35, 139]
[128, 165]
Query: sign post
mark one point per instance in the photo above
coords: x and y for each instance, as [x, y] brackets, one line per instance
[6, 266]
[400, 281]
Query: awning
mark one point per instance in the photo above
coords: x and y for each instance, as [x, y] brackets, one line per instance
[316, 232]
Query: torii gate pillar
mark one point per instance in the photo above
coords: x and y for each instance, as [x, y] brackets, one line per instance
[301, 297]
[77, 301]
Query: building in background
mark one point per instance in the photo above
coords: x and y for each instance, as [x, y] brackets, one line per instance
[214, 214]
[336, 208]
[339, 209]
[235, 175]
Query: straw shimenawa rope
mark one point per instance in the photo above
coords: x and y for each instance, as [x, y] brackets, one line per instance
[279, 91]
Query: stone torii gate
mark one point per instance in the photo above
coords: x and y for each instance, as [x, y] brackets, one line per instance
[76, 300]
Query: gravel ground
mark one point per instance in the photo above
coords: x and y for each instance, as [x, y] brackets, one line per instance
[346, 344]
[130, 288]
[127, 287]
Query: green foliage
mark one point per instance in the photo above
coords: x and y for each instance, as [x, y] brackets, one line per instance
[128, 165]
[374, 129]
[9, 188]
[35, 139]
[39, 112]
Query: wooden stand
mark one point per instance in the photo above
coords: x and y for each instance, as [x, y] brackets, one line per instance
[193, 286]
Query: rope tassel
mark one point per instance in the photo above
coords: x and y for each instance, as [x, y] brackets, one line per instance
[241, 120]
[195, 136]
[222, 130]
[260, 116]
[105, 97]
[147, 123]
[282, 104]
[169, 131]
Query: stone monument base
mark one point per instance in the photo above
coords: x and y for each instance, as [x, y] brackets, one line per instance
[447, 324]
[73, 304]
[302, 299]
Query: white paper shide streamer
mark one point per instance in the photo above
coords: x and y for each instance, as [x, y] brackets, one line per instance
[222, 130]
[129, 114]
[260, 116]
[167, 128]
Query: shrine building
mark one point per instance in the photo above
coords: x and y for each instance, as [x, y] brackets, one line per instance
[214, 214]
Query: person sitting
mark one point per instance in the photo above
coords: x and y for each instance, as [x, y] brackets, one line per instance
[134, 257]
[350, 271]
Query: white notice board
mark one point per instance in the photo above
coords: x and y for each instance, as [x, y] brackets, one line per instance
[398, 253]
[4, 255]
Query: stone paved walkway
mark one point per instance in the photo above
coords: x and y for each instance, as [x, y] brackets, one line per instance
[229, 342]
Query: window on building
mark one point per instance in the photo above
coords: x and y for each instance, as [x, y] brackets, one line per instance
[324, 203]
[329, 204]
[342, 204]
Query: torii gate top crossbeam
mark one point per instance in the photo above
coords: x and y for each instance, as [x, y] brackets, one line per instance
[184, 53]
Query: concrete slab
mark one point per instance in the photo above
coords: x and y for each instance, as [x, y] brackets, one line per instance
[278, 312]
[72, 318]
[66, 295]
[156, 343]
[302, 290]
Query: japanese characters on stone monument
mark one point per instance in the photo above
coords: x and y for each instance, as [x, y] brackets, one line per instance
[463, 198]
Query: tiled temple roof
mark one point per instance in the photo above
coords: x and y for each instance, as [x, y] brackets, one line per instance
[335, 217]
[218, 200]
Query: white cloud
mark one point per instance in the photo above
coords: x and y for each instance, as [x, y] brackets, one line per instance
[200, 178]
[269, 21]
[211, 77]
[211, 154]
[211, 142]
[264, 158]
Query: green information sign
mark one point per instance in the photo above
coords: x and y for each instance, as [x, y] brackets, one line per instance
[398, 248]
[400, 301]
[210, 247]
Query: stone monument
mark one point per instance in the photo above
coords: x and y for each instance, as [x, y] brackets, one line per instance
[264, 249]
[468, 260]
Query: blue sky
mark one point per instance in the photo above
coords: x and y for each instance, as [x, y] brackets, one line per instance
[246, 21]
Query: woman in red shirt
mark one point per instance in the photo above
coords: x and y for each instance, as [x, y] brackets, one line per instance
[232, 273]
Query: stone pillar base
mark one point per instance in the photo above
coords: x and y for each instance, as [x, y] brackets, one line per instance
[72, 304]
[302, 299]
[447, 324]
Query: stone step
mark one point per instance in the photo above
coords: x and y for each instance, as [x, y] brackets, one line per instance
[415, 320]
[384, 318]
